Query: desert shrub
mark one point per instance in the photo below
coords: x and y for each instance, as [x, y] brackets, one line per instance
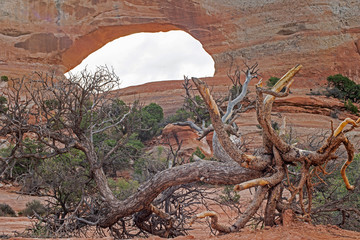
[198, 153]
[149, 164]
[351, 107]
[32, 207]
[194, 108]
[3, 102]
[6, 210]
[22, 166]
[39, 230]
[275, 125]
[155, 110]
[123, 188]
[201, 114]
[181, 115]
[229, 195]
[272, 81]
[330, 193]
[66, 172]
[151, 116]
[125, 156]
[65, 178]
[348, 88]
[4, 78]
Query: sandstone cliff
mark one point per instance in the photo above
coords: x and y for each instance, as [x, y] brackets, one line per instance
[323, 35]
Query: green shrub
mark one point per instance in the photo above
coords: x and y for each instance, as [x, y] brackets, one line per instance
[181, 115]
[34, 206]
[198, 153]
[151, 116]
[3, 102]
[348, 88]
[39, 230]
[351, 107]
[229, 195]
[272, 81]
[275, 125]
[201, 111]
[123, 188]
[65, 176]
[4, 78]
[6, 210]
[155, 110]
[330, 191]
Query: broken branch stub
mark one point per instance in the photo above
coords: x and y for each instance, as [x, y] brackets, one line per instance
[277, 154]
[245, 160]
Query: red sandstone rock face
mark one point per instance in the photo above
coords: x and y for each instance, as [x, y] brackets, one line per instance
[188, 138]
[322, 35]
[309, 104]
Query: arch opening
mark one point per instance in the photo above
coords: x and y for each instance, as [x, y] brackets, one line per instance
[149, 57]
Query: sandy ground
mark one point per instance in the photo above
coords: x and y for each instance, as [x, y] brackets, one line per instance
[293, 231]
[9, 225]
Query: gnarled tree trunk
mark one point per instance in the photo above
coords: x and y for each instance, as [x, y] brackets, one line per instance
[265, 172]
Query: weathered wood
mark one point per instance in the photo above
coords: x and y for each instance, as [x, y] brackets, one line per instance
[202, 171]
[245, 160]
[265, 171]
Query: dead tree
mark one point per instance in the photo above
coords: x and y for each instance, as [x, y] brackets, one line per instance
[63, 114]
[277, 155]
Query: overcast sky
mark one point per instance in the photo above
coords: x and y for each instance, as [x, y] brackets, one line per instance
[149, 57]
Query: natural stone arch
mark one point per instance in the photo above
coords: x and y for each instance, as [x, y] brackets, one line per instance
[148, 57]
[97, 39]
[36, 34]
[65, 32]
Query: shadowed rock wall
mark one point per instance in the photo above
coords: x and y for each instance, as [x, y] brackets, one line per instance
[323, 35]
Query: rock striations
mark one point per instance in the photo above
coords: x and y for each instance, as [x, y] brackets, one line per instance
[323, 35]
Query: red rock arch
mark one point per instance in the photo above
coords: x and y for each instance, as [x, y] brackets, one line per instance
[98, 38]
[278, 35]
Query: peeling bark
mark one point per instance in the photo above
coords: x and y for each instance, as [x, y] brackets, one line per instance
[202, 171]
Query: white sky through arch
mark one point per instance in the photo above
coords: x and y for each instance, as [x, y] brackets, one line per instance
[147, 57]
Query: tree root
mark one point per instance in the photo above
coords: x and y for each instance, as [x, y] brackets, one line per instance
[144, 215]
[244, 218]
[270, 181]
[273, 198]
[214, 221]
